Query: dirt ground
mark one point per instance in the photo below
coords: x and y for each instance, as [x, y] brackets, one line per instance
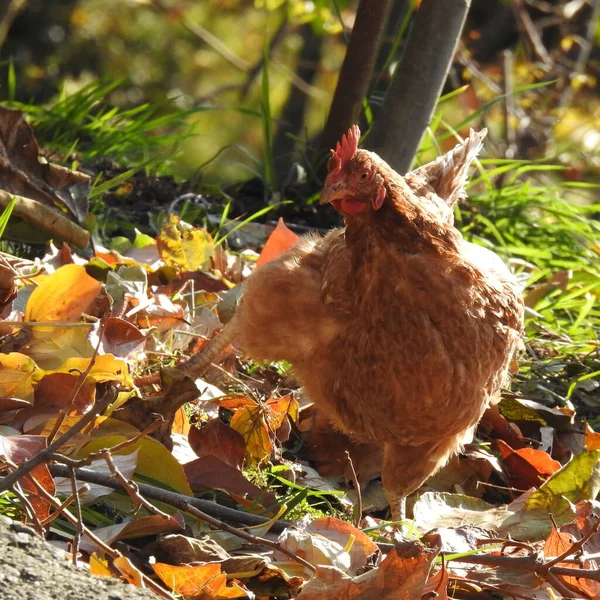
[31, 569]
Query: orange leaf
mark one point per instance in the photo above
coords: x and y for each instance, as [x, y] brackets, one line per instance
[592, 439]
[62, 296]
[204, 580]
[128, 571]
[527, 467]
[280, 241]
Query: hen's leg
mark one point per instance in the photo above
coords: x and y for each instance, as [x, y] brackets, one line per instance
[405, 469]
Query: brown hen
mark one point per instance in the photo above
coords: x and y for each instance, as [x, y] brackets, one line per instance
[398, 329]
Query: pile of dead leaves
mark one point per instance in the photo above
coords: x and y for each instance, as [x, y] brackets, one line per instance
[187, 486]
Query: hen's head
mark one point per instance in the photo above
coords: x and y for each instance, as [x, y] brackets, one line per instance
[353, 184]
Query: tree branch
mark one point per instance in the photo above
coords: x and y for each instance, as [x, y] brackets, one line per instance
[418, 81]
[357, 68]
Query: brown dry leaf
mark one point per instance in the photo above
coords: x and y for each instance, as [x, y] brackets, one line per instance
[183, 246]
[7, 285]
[62, 296]
[527, 467]
[340, 531]
[555, 545]
[206, 581]
[22, 173]
[401, 576]
[121, 338]
[182, 549]
[214, 438]
[211, 473]
[19, 449]
[280, 241]
[161, 312]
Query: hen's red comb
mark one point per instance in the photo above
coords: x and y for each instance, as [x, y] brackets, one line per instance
[345, 149]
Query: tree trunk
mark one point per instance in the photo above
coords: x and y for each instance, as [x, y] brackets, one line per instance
[291, 121]
[418, 81]
[356, 71]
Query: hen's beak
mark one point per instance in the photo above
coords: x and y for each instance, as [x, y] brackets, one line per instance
[331, 194]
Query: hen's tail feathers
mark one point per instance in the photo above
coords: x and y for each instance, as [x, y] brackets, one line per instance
[448, 174]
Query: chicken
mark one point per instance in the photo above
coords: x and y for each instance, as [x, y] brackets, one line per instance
[398, 329]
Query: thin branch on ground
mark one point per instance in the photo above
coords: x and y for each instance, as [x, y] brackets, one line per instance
[151, 584]
[80, 381]
[8, 481]
[359, 504]
[174, 499]
[247, 536]
[131, 488]
[201, 509]
[79, 527]
[58, 511]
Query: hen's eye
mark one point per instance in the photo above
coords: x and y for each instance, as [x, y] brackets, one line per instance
[363, 176]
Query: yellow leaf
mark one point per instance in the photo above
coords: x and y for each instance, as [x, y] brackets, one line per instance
[204, 580]
[18, 376]
[153, 460]
[62, 296]
[99, 566]
[251, 423]
[50, 347]
[182, 246]
[105, 368]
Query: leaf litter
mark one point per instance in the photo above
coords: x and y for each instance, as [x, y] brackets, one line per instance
[516, 515]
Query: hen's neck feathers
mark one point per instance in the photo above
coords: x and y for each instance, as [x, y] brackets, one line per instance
[405, 223]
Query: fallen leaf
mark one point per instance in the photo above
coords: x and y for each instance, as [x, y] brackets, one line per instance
[121, 338]
[62, 296]
[401, 576]
[203, 580]
[341, 531]
[129, 572]
[527, 467]
[280, 241]
[214, 438]
[209, 472]
[23, 172]
[183, 246]
[18, 375]
[154, 462]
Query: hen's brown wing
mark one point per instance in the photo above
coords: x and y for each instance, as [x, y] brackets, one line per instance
[282, 314]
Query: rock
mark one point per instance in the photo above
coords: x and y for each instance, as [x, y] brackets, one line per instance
[31, 569]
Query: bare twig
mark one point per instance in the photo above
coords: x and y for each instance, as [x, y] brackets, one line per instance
[131, 488]
[79, 526]
[359, 504]
[8, 481]
[174, 499]
[58, 511]
[527, 563]
[576, 546]
[80, 381]
[247, 536]
[191, 505]
[29, 510]
[151, 584]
